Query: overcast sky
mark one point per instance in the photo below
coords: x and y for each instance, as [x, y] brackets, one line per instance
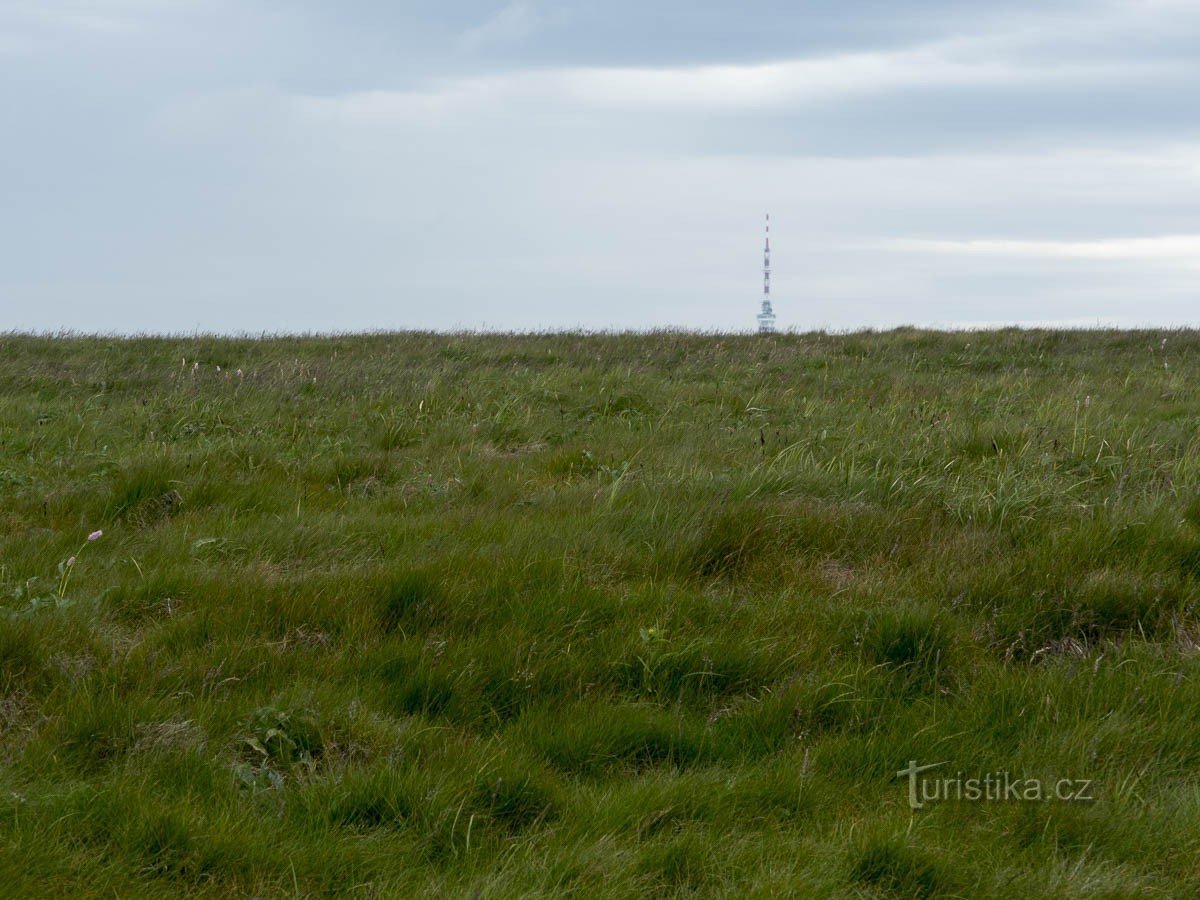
[287, 165]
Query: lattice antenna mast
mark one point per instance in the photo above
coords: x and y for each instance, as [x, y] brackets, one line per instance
[766, 316]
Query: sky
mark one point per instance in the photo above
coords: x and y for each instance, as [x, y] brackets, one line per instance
[262, 165]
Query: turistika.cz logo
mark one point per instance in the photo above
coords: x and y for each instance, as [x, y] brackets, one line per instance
[993, 787]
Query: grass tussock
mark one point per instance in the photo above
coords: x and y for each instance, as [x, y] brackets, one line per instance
[898, 869]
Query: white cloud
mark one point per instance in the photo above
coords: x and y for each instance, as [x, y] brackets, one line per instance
[511, 24]
[111, 16]
[795, 82]
[1176, 248]
[768, 86]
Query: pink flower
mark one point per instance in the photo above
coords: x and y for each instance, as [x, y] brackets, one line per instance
[70, 562]
[95, 535]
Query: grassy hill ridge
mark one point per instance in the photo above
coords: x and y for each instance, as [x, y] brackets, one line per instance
[603, 615]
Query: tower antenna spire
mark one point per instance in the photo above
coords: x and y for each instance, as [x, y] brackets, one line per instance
[766, 316]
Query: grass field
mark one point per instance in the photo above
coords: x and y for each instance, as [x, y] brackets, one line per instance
[602, 616]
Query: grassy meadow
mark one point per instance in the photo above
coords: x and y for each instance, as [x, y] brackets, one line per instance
[598, 615]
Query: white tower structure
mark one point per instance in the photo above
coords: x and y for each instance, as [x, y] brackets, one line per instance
[766, 316]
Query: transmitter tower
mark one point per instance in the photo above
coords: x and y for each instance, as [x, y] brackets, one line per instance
[766, 315]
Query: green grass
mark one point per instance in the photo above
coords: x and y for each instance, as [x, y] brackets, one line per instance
[608, 615]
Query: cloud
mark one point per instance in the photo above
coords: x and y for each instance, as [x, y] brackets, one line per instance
[513, 23]
[97, 16]
[1175, 248]
[767, 87]
[801, 81]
